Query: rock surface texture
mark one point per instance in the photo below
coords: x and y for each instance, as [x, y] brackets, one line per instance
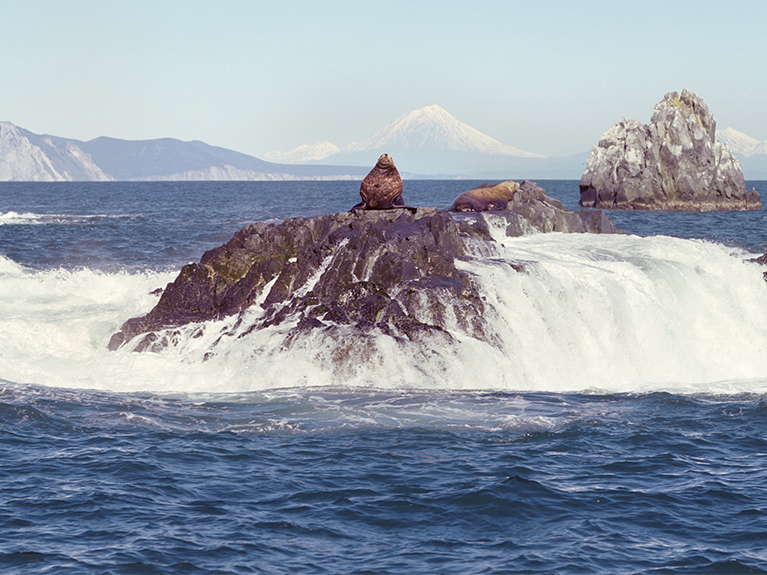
[345, 275]
[672, 163]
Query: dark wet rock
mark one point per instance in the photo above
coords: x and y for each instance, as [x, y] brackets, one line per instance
[672, 163]
[390, 271]
[761, 260]
[539, 212]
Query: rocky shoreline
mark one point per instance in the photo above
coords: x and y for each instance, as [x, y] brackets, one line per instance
[393, 271]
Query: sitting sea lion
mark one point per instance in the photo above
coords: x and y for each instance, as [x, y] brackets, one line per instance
[486, 198]
[382, 187]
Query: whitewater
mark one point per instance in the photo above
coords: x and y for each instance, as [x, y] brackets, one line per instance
[613, 313]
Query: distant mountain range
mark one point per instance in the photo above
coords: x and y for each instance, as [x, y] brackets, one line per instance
[428, 142]
[25, 156]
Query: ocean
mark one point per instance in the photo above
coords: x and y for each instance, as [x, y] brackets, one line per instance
[621, 427]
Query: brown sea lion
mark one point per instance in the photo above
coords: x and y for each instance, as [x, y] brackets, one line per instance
[382, 187]
[486, 198]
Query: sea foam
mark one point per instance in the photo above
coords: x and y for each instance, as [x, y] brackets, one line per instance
[591, 312]
[34, 219]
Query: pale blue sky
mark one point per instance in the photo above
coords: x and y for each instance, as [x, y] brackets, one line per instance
[255, 76]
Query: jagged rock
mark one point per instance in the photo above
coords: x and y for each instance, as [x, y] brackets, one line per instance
[672, 163]
[762, 261]
[390, 270]
[530, 210]
[538, 211]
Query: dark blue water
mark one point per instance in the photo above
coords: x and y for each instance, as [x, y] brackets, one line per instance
[381, 482]
[340, 480]
[146, 225]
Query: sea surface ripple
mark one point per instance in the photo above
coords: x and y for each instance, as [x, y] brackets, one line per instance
[381, 482]
[139, 225]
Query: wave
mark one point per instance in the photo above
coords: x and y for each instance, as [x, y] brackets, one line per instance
[31, 219]
[592, 312]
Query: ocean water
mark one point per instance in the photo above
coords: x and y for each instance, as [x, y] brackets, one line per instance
[620, 428]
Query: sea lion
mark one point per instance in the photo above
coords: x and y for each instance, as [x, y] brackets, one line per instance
[382, 187]
[486, 198]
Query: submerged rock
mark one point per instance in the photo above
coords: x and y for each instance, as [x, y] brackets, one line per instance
[672, 163]
[394, 272]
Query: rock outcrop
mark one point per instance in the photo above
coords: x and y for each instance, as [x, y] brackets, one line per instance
[672, 163]
[392, 271]
[762, 261]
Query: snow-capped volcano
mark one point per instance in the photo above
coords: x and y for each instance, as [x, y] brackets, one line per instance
[434, 128]
[426, 140]
[742, 144]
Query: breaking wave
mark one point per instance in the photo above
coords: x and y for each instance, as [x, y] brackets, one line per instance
[590, 312]
[31, 219]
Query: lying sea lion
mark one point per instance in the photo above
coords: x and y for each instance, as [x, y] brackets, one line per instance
[486, 198]
[382, 187]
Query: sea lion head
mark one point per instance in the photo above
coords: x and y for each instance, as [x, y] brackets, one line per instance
[385, 162]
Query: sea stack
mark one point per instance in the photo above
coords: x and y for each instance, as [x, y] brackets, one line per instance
[672, 163]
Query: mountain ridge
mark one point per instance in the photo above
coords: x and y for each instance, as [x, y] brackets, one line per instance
[436, 128]
[26, 156]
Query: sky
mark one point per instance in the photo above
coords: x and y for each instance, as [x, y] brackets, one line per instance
[256, 76]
